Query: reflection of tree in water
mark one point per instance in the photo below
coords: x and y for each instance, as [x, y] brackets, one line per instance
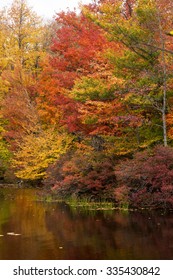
[55, 231]
[83, 236]
[117, 236]
[1, 195]
[153, 234]
[27, 218]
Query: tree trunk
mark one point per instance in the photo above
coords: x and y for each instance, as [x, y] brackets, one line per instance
[164, 102]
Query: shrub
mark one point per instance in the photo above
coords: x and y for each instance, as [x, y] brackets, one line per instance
[148, 178]
[81, 176]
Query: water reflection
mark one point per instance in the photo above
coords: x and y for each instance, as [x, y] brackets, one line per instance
[55, 231]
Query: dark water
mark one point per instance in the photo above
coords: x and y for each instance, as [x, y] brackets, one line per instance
[55, 231]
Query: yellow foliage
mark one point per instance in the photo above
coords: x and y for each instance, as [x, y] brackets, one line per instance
[21, 37]
[170, 33]
[37, 151]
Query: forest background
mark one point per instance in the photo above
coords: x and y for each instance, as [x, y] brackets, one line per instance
[86, 101]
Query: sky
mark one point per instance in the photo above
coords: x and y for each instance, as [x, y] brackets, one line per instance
[48, 8]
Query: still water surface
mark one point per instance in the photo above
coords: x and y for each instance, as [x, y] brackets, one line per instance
[56, 231]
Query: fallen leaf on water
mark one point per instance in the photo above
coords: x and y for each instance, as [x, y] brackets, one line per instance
[13, 233]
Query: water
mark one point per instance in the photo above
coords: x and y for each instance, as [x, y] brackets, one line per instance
[56, 231]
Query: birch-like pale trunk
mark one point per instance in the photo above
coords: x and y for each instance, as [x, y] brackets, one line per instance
[164, 71]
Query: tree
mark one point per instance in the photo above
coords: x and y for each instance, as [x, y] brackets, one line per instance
[76, 47]
[23, 31]
[78, 88]
[18, 108]
[37, 151]
[22, 51]
[75, 52]
[145, 59]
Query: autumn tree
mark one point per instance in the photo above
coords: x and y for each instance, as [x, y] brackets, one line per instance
[23, 35]
[145, 61]
[76, 47]
[75, 53]
[37, 151]
[18, 108]
[78, 87]
[21, 50]
[20, 44]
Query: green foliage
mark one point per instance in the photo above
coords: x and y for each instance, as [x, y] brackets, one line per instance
[5, 154]
[85, 204]
[144, 61]
[89, 88]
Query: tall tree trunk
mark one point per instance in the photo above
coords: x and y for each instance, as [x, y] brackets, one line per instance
[164, 114]
[164, 72]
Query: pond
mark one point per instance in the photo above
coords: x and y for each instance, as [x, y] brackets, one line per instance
[33, 230]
